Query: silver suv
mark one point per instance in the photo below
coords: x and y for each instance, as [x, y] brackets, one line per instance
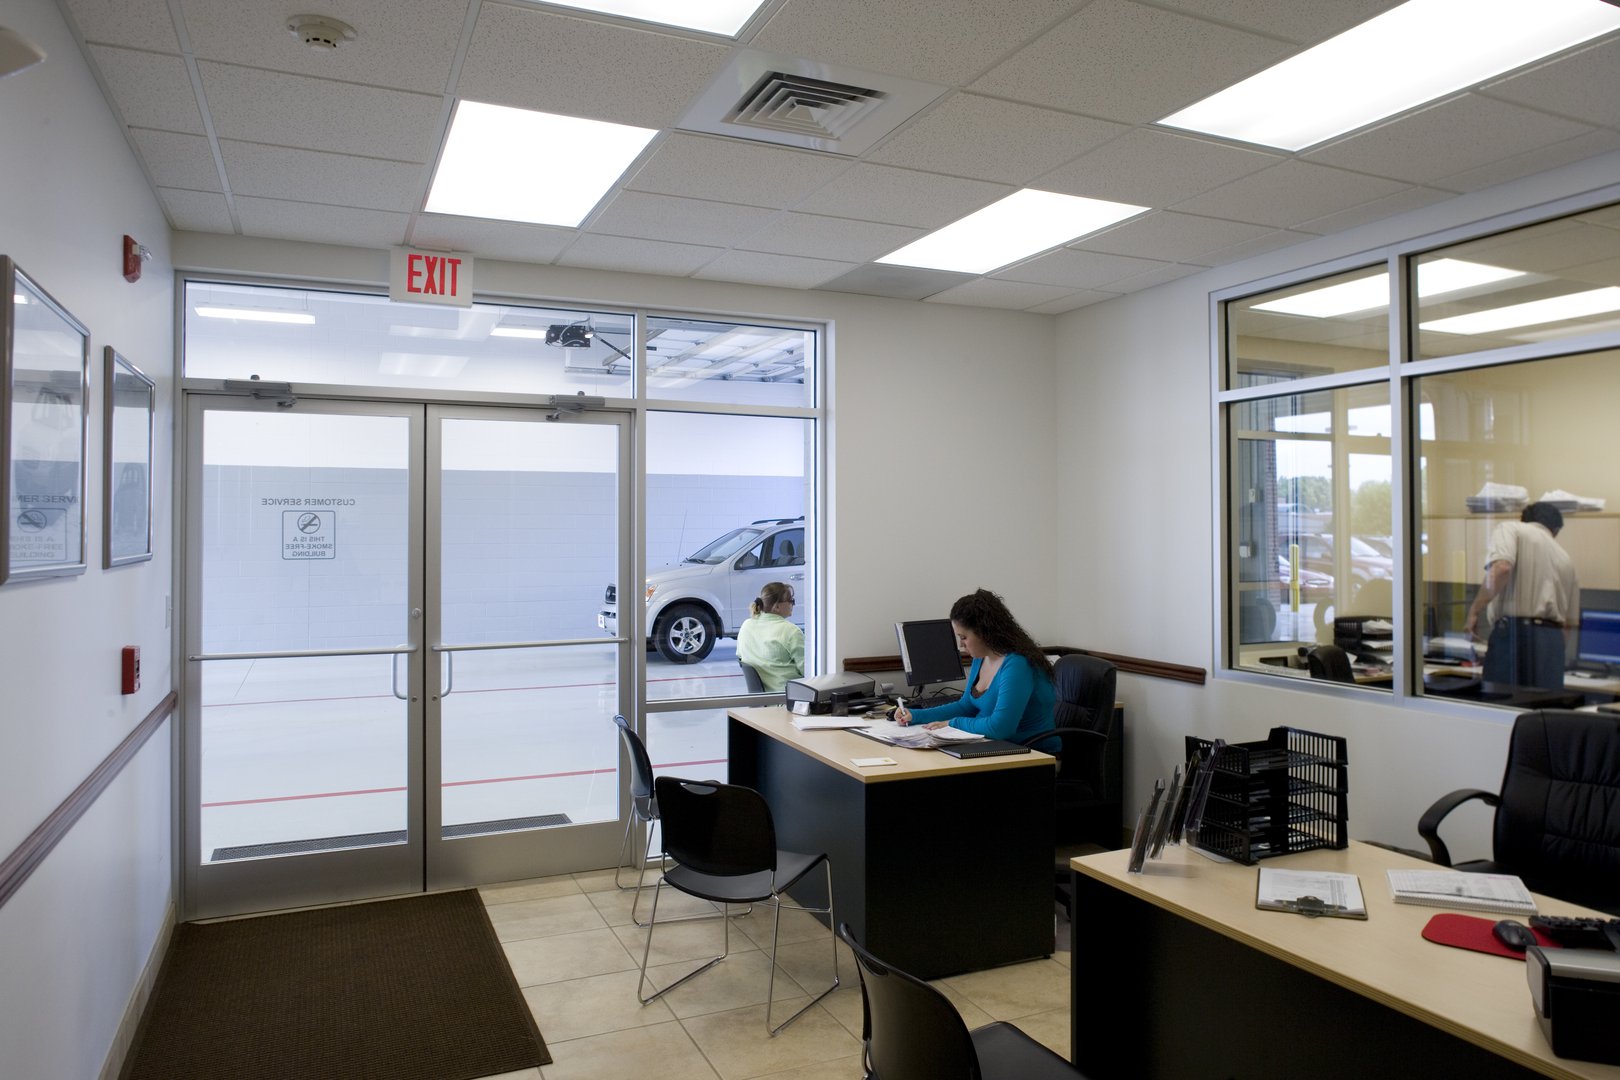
[692, 605]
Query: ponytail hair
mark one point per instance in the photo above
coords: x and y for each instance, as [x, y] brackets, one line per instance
[769, 597]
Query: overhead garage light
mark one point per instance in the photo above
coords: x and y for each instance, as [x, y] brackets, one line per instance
[1553, 309]
[1409, 55]
[536, 332]
[1368, 293]
[713, 16]
[520, 165]
[270, 315]
[1010, 229]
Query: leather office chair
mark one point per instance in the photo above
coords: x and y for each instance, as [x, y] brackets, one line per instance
[751, 678]
[1331, 663]
[723, 842]
[913, 1032]
[1558, 813]
[1090, 784]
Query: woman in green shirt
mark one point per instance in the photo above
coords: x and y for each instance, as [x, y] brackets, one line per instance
[768, 642]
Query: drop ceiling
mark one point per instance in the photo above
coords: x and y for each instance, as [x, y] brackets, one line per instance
[244, 130]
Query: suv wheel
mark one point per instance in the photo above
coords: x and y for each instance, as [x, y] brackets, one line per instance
[685, 634]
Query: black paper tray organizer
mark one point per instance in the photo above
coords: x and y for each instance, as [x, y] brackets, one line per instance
[1279, 796]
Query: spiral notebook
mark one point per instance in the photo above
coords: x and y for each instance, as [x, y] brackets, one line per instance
[1502, 893]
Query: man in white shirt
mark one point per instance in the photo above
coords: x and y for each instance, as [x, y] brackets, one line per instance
[1533, 600]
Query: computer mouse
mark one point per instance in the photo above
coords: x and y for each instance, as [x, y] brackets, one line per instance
[1514, 934]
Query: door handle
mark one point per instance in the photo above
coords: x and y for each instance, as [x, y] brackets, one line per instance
[394, 676]
[450, 675]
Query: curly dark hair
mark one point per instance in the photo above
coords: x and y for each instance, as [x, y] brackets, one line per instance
[987, 615]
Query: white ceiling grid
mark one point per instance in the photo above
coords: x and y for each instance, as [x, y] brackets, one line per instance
[242, 129]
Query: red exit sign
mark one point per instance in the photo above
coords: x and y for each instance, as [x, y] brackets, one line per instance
[431, 277]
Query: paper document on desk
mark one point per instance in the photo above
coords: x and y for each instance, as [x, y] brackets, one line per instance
[829, 723]
[915, 736]
[1502, 893]
[1309, 892]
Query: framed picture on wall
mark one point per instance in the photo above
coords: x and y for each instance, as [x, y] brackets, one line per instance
[46, 356]
[126, 520]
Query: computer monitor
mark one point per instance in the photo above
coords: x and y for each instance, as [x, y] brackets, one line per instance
[1599, 640]
[929, 651]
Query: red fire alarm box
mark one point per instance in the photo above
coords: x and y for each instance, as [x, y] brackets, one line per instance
[131, 681]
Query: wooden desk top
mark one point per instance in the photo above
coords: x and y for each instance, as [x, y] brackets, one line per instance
[1476, 996]
[835, 749]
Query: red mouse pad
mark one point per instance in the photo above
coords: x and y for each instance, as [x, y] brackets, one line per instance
[1473, 932]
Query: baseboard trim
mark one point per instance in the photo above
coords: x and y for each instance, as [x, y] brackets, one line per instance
[129, 1026]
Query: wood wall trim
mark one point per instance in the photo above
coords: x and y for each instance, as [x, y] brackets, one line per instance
[22, 863]
[1131, 665]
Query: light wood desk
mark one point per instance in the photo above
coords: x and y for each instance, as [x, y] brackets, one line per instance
[1176, 974]
[939, 865]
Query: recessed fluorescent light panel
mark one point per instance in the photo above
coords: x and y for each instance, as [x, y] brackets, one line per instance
[1553, 309]
[519, 165]
[711, 16]
[536, 332]
[1013, 228]
[300, 318]
[1420, 51]
[1365, 294]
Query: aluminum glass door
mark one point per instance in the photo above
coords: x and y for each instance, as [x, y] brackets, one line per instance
[386, 689]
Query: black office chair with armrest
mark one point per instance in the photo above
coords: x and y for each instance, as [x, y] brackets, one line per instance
[723, 842]
[751, 678]
[1090, 784]
[913, 1032]
[1331, 663]
[1558, 813]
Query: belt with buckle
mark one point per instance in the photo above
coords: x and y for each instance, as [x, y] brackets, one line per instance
[1554, 623]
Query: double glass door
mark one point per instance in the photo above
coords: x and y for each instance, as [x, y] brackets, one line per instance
[394, 679]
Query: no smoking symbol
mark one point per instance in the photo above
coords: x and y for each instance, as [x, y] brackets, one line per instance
[309, 523]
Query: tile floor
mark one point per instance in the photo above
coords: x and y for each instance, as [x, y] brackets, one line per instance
[576, 953]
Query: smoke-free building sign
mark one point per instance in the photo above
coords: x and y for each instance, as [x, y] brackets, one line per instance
[309, 534]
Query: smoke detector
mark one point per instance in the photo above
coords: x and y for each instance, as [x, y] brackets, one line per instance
[319, 32]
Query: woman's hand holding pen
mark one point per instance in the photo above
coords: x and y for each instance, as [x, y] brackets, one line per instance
[902, 715]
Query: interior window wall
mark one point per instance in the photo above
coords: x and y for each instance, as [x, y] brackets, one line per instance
[1507, 371]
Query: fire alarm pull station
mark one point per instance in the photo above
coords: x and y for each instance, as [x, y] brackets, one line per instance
[132, 669]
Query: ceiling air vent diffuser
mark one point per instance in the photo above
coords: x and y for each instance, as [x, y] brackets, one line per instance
[800, 105]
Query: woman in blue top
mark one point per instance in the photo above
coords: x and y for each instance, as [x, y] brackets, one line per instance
[1009, 691]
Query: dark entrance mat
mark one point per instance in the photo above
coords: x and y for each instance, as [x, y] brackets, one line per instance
[412, 989]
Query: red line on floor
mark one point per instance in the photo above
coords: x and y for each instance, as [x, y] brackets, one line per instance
[448, 783]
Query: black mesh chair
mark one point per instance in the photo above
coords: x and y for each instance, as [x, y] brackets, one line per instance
[1331, 663]
[1090, 784]
[723, 842]
[913, 1032]
[751, 678]
[1558, 813]
[643, 810]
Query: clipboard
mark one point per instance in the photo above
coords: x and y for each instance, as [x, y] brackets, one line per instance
[1313, 894]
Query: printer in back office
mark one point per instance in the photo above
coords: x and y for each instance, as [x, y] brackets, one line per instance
[841, 693]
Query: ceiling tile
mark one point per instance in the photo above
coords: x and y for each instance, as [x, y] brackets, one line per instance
[729, 170]
[512, 240]
[319, 114]
[196, 211]
[901, 282]
[1138, 282]
[1303, 21]
[176, 160]
[1078, 269]
[151, 91]
[1072, 302]
[406, 44]
[1126, 61]
[536, 59]
[138, 24]
[902, 196]
[985, 139]
[1246, 249]
[1172, 237]
[830, 238]
[276, 172]
[636, 256]
[1565, 86]
[988, 292]
[1413, 198]
[1287, 194]
[1154, 168]
[1452, 137]
[941, 41]
[681, 221]
[320, 224]
[786, 271]
[1593, 143]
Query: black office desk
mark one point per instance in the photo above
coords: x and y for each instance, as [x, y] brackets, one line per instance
[939, 866]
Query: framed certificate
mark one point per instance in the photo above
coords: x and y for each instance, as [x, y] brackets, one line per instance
[46, 354]
[127, 462]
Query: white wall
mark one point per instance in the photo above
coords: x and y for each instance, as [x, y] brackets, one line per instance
[1137, 528]
[77, 936]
